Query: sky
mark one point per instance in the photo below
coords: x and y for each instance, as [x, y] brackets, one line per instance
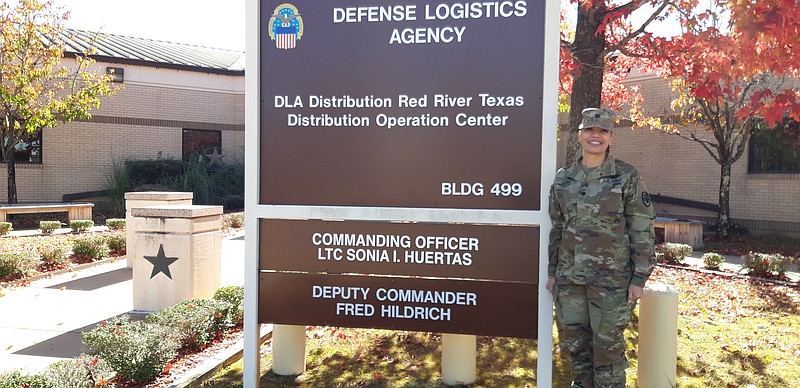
[210, 23]
[666, 28]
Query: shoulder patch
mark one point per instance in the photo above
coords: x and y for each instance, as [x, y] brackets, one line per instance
[646, 199]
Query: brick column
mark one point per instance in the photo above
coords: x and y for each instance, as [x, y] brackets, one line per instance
[178, 254]
[148, 198]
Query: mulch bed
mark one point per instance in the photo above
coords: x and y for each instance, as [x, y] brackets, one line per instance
[44, 269]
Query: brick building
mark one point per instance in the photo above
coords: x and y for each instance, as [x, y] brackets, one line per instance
[171, 94]
[685, 179]
[174, 93]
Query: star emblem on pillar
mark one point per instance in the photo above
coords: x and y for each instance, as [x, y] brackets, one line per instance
[215, 157]
[161, 262]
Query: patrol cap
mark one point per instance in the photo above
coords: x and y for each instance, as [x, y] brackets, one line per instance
[598, 117]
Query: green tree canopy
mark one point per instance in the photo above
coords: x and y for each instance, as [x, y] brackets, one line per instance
[37, 88]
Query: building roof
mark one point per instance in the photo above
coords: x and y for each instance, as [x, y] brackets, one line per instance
[148, 52]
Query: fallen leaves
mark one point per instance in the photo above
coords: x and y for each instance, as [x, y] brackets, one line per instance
[740, 245]
[721, 299]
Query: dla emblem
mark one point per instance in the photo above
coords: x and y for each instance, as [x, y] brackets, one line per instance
[286, 26]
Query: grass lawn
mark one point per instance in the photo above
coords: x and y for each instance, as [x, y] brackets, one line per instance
[732, 332]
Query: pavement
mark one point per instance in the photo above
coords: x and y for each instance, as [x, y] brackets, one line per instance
[42, 323]
[733, 265]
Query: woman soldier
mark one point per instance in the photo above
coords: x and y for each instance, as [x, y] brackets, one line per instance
[600, 253]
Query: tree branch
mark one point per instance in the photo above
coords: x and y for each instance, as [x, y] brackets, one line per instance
[630, 7]
[744, 132]
[709, 146]
[567, 45]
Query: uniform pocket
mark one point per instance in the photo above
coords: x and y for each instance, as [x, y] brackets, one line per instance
[616, 311]
[567, 202]
[611, 205]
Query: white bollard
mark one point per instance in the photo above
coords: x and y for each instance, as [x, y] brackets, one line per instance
[459, 359]
[658, 336]
[288, 349]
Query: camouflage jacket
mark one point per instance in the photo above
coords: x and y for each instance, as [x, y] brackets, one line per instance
[602, 226]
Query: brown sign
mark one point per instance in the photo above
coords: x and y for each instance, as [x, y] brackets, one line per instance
[422, 105]
[460, 307]
[489, 252]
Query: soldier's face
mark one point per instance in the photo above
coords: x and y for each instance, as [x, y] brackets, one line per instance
[595, 140]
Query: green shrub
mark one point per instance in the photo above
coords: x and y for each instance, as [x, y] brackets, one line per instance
[17, 265]
[80, 225]
[142, 172]
[82, 372]
[137, 351]
[91, 246]
[117, 242]
[5, 228]
[197, 320]
[54, 254]
[764, 264]
[210, 186]
[235, 296]
[233, 220]
[713, 260]
[672, 253]
[115, 223]
[16, 379]
[231, 202]
[49, 226]
[117, 184]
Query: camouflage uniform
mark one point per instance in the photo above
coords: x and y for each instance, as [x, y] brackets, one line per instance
[601, 242]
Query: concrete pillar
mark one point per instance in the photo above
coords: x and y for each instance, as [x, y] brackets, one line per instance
[177, 254]
[148, 198]
[658, 336]
[288, 349]
[459, 359]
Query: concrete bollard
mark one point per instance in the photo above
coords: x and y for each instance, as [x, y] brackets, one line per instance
[177, 254]
[144, 199]
[288, 349]
[658, 336]
[459, 359]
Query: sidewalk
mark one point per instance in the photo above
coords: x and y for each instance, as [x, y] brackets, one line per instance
[42, 323]
[733, 264]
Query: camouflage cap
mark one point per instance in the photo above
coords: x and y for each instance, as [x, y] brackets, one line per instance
[599, 118]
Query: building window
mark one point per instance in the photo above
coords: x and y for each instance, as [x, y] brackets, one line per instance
[775, 150]
[29, 149]
[200, 142]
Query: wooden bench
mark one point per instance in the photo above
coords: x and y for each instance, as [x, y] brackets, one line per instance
[74, 210]
[681, 231]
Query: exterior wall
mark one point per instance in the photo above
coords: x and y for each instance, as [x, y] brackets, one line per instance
[676, 167]
[144, 120]
[681, 168]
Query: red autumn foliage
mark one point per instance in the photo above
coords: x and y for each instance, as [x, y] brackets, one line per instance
[742, 56]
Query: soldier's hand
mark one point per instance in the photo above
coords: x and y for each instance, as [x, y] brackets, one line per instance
[550, 283]
[635, 293]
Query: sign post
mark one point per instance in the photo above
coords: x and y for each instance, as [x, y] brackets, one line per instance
[414, 143]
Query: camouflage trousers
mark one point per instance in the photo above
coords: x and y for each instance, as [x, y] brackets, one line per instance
[591, 321]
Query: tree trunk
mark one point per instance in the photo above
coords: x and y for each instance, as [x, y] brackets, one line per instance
[723, 217]
[588, 51]
[12, 180]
